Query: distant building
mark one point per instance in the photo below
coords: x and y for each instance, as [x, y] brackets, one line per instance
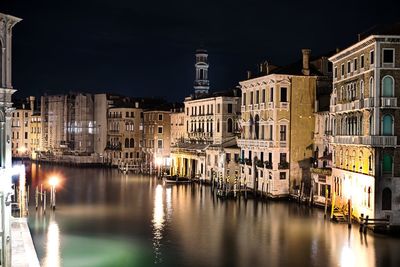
[26, 132]
[277, 125]
[157, 139]
[178, 130]
[68, 123]
[125, 132]
[365, 124]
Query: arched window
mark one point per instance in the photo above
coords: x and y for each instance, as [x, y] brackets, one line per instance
[132, 143]
[387, 86]
[371, 124]
[126, 142]
[230, 125]
[386, 199]
[257, 126]
[387, 163]
[251, 127]
[361, 89]
[387, 125]
[371, 87]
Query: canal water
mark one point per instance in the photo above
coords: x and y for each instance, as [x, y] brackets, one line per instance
[105, 218]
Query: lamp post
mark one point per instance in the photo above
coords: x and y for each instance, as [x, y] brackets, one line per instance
[53, 181]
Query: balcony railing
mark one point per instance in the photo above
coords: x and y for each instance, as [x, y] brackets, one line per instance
[268, 164]
[255, 143]
[283, 165]
[379, 141]
[284, 105]
[388, 102]
[248, 161]
[270, 105]
[369, 102]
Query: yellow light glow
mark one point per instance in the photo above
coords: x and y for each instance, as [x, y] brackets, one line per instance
[22, 149]
[53, 181]
[52, 258]
[159, 161]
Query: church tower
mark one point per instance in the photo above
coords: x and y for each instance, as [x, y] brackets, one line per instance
[201, 83]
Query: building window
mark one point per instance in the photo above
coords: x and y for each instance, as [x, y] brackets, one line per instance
[282, 175]
[160, 143]
[388, 55]
[342, 70]
[386, 199]
[251, 98]
[127, 114]
[283, 94]
[217, 126]
[160, 117]
[335, 72]
[372, 57]
[387, 125]
[387, 86]
[282, 158]
[362, 61]
[244, 99]
[132, 142]
[257, 97]
[282, 133]
[218, 108]
[263, 96]
[26, 135]
[271, 94]
[230, 125]
[387, 163]
[355, 64]
[229, 108]
[348, 67]
[160, 129]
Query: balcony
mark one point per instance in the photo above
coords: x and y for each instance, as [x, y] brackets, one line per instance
[377, 141]
[248, 162]
[243, 108]
[389, 102]
[255, 143]
[283, 165]
[255, 106]
[250, 107]
[322, 171]
[259, 163]
[369, 102]
[270, 105]
[262, 106]
[268, 164]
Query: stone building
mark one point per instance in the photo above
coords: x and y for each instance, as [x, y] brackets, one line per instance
[209, 119]
[7, 23]
[26, 132]
[68, 123]
[277, 125]
[177, 126]
[125, 132]
[157, 140]
[365, 124]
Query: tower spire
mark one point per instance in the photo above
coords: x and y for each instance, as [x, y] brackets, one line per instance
[201, 83]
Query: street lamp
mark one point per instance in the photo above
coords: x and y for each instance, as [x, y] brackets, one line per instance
[53, 182]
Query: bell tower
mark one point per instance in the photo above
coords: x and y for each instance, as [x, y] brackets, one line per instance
[201, 83]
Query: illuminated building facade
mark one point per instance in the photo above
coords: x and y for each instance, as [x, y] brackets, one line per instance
[365, 124]
[277, 125]
[125, 132]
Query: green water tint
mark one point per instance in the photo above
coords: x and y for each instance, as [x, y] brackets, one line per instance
[100, 252]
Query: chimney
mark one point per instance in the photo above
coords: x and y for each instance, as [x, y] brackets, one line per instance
[261, 67]
[32, 102]
[136, 104]
[306, 61]
[248, 74]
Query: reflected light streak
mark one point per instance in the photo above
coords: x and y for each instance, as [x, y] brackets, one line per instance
[53, 246]
[347, 258]
[158, 222]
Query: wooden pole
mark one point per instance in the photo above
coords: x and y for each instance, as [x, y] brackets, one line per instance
[349, 213]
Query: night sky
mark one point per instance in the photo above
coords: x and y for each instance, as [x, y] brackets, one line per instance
[146, 48]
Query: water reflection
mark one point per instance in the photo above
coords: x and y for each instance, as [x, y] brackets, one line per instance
[52, 258]
[158, 223]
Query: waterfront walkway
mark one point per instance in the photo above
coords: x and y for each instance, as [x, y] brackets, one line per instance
[23, 250]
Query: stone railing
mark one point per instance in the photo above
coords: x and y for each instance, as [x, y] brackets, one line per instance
[388, 102]
[380, 141]
[254, 143]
